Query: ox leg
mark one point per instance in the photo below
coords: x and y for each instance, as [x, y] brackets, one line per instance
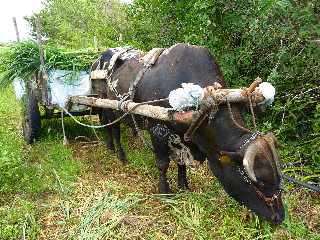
[108, 137]
[182, 177]
[134, 132]
[117, 137]
[162, 157]
[159, 136]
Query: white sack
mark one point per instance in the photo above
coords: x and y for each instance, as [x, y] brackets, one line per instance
[190, 95]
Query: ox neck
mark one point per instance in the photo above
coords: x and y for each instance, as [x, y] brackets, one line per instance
[221, 133]
[228, 135]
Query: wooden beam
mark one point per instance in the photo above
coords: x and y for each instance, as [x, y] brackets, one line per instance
[151, 111]
[166, 114]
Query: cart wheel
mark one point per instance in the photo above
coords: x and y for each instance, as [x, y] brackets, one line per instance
[31, 122]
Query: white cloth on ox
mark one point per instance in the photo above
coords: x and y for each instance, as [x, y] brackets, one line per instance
[190, 95]
[268, 91]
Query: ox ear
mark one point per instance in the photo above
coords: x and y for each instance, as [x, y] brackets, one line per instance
[227, 157]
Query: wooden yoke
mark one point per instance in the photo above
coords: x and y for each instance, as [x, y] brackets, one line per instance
[169, 114]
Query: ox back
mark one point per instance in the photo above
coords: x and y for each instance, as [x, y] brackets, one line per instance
[179, 64]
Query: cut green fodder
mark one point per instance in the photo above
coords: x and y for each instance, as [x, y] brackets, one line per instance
[22, 61]
[104, 216]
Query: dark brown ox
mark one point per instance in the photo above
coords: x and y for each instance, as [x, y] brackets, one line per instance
[245, 163]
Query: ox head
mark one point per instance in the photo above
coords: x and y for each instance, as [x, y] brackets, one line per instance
[253, 176]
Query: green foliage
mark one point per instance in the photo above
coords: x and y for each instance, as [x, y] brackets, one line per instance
[19, 220]
[21, 60]
[76, 23]
[19, 171]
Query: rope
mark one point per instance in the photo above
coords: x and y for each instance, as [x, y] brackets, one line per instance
[303, 184]
[80, 123]
[118, 119]
[140, 133]
[94, 131]
[252, 112]
[234, 121]
[65, 140]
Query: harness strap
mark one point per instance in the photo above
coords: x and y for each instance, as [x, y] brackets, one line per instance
[116, 56]
[148, 60]
[133, 84]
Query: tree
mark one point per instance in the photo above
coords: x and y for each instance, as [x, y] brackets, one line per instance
[75, 23]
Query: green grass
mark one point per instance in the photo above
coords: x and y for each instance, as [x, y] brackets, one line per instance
[81, 191]
[28, 173]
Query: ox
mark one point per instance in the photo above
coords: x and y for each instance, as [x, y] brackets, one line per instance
[245, 163]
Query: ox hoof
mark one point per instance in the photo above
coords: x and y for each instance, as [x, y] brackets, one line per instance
[122, 157]
[111, 147]
[164, 188]
[183, 187]
[124, 161]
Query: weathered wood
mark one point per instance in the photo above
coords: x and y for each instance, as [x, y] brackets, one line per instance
[16, 28]
[254, 85]
[155, 112]
[99, 74]
[43, 77]
[166, 114]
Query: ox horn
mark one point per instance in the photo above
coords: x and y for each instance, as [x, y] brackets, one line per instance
[248, 161]
[273, 143]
